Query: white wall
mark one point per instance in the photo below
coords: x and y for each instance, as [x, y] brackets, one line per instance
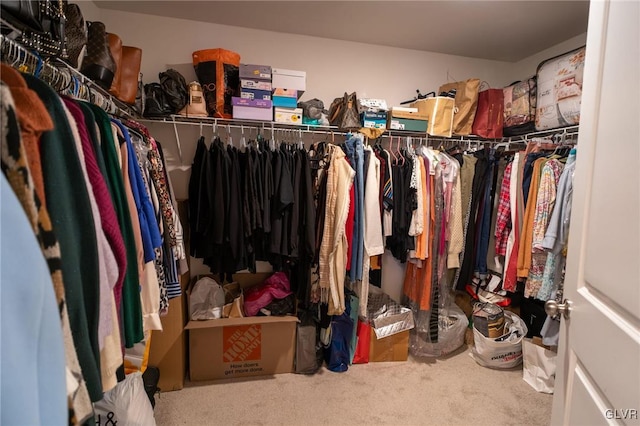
[332, 66]
[90, 12]
[528, 66]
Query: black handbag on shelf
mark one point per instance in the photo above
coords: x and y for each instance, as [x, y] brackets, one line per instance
[156, 103]
[175, 88]
[40, 25]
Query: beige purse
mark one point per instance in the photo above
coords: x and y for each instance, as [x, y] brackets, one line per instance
[196, 106]
[466, 103]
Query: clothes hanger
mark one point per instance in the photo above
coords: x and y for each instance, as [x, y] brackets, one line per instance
[399, 152]
[395, 160]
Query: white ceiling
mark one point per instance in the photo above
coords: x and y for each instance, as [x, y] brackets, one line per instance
[499, 30]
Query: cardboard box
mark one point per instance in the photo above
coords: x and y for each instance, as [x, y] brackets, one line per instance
[255, 94]
[395, 123]
[290, 79]
[392, 348]
[289, 116]
[253, 103]
[375, 120]
[285, 92]
[251, 109]
[372, 104]
[285, 102]
[241, 347]
[251, 113]
[256, 72]
[168, 349]
[255, 84]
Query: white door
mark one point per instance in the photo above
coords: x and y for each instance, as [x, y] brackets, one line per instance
[598, 378]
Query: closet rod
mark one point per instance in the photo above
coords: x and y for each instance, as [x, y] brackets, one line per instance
[21, 58]
[332, 130]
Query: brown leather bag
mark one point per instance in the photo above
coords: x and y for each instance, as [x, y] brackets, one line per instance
[115, 46]
[130, 70]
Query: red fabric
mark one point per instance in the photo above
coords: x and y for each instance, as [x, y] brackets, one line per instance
[108, 217]
[503, 221]
[348, 227]
[277, 286]
[361, 355]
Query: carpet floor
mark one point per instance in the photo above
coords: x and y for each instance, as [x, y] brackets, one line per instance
[452, 390]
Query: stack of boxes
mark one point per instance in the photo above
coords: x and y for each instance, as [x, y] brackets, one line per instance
[255, 101]
[288, 86]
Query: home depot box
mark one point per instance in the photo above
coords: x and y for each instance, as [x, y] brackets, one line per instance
[391, 348]
[241, 347]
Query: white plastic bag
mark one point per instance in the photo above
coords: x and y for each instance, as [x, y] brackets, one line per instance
[452, 325]
[539, 366]
[206, 300]
[126, 404]
[504, 351]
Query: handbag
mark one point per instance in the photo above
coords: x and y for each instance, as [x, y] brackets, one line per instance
[42, 24]
[466, 103]
[175, 87]
[344, 113]
[440, 112]
[489, 119]
[520, 107]
[75, 32]
[196, 106]
[218, 72]
[156, 104]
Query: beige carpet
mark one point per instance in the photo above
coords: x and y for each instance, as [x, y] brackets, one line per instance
[450, 391]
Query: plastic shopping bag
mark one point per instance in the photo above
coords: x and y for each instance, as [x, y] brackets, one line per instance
[206, 300]
[126, 404]
[504, 351]
[452, 325]
[539, 366]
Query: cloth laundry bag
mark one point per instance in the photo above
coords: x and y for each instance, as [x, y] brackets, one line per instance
[466, 103]
[218, 71]
[539, 366]
[337, 355]
[502, 352]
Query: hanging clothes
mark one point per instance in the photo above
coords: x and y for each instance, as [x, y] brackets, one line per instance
[70, 210]
[33, 120]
